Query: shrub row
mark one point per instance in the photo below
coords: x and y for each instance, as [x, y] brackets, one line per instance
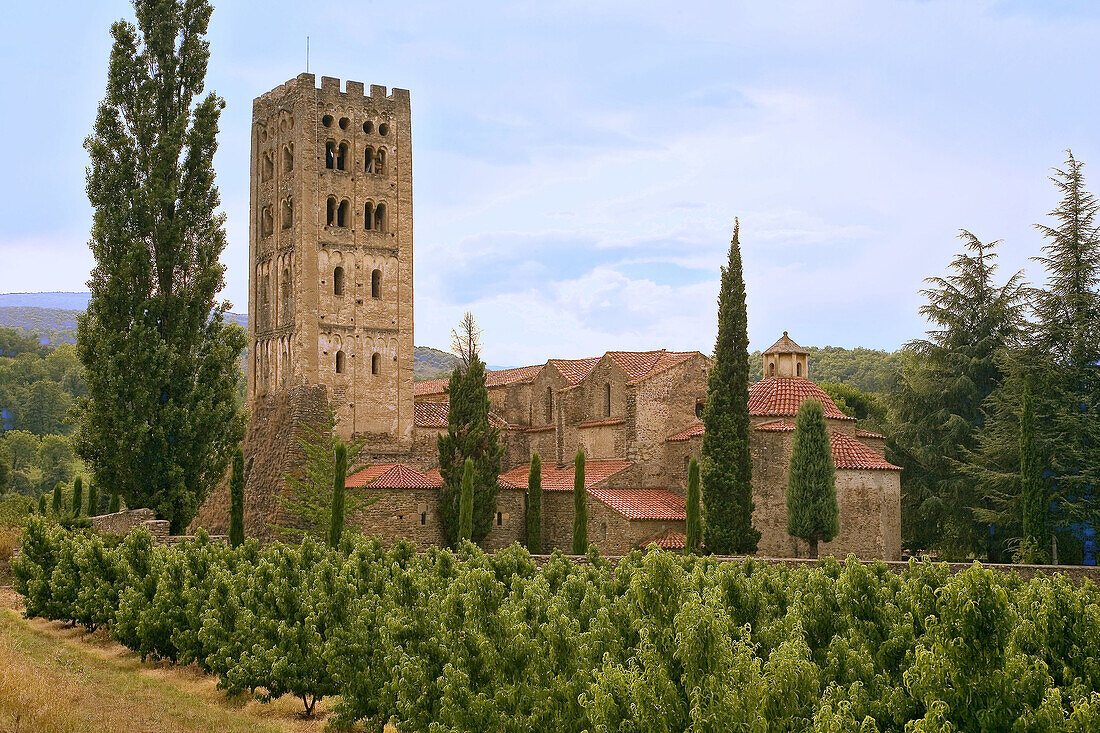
[466, 641]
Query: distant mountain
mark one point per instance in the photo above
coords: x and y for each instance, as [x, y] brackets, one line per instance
[52, 316]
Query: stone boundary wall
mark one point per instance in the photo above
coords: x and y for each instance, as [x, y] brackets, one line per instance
[121, 523]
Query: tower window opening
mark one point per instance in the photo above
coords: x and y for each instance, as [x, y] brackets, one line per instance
[798, 369]
[376, 284]
[368, 216]
[423, 518]
[338, 281]
[607, 400]
[265, 304]
[500, 519]
[771, 369]
[330, 154]
[286, 315]
[380, 161]
[288, 212]
[368, 127]
[368, 160]
[699, 409]
[343, 123]
[383, 128]
[288, 157]
[327, 120]
[266, 222]
[376, 364]
[342, 214]
[268, 166]
[380, 217]
[339, 362]
[342, 157]
[330, 211]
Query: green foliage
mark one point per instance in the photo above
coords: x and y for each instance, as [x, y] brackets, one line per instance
[236, 499]
[93, 500]
[469, 435]
[867, 407]
[161, 362]
[339, 478]
[5, 468]
[42, 504]
[116, 504]
[1035, 504]
[534, 506]
[21, 448]
[694, 510]
[78, 496]
[580, 507]
[309, 499]
[812, 512]
[466, 503]
[55, 461]
[56, 506]
[726, 461]
[14, 342]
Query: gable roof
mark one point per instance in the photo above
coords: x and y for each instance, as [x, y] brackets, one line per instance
[861, 433]
[642, 503]
[575, 370]
[785, 346]
[850, 453]
[391, 476]
[669, 540]
[782, 396]
[561, 479]
[433, 414]
[436, 476]
[640, 365]
[493, 378]
[694, 430]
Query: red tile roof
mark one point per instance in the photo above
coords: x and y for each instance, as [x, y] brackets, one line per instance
[694, 430]
[670, 540]
[599, 423]
[431, 386]
[782, 396]
[642, 364]
[493, 378]
[643, 503]
[392, 476]
[575, 369]
[561, 479]
[861, 433]
[436, 476]
[850, 453]
[434, 415]
[776, 426]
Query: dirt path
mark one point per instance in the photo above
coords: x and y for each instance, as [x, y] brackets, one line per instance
[54, 677]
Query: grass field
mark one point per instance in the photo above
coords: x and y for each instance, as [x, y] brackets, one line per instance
[58, 678]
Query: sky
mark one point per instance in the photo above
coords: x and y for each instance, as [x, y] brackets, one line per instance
[578, 165]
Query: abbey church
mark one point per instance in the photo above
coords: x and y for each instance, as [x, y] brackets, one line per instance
[331, 323]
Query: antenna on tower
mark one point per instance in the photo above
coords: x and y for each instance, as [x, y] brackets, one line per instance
[307, 54]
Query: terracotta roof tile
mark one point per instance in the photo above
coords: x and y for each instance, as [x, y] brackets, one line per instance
[433, 414]
[493, 378]
[776, 426]
[850, 453]
[785, 346]
[436, 476]
[669, 540]
[561, 479]
[643, 503]
[431, 386]
[575, 370]
[861, 433]
[694, 430]
[639, 365]
[392, 476]
[782, 396]
[599, 423]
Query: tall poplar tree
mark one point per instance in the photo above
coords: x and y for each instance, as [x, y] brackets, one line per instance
[580, 507]
[534, 506]
[812, 512]
[161, 364]
[727, 463]
[694, 524]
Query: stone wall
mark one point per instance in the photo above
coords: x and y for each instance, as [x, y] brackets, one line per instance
[613, 533]
[120, 523]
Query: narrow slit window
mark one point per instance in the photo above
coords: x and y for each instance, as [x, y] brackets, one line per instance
[376, 364]
[288, 158]
[342, 157]
[368, 216]
[798, 369]
[339, 362]
[330, 155]
[368, 160]
[380, 161]
[380, 217]
[288, 212]
[376, 284]
[342, 214]
[423, 518]
[330, 211]
[500, 519]
[338, 281]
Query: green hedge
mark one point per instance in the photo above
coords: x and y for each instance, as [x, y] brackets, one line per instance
[466, 641]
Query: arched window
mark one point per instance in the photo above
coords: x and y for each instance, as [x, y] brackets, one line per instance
[376, 284]
[549, 405]
[342, 214]
[268, 166]
[267, 223]
[798, 369]
[699, 406]
[771, 369]
[338, 281]
[330, 211]
[368, 216]
[376, 364]
[607, 400]
[380, 217]
[342, 157]
[288, 157]
[339, 362]
[368, 160]
[330, 154]
[380, 161]
[288, 212]
[265, 303]
[287, 315]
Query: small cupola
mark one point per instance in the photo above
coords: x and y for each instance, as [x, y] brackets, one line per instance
[785, 358]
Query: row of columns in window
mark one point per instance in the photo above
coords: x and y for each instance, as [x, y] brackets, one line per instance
[267, 217]
[267, 162]
[375, 283]
[375, 363]
[336, 158]
[338, 214]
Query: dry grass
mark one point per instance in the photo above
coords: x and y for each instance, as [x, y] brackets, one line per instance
[59, 678]
[10, 538]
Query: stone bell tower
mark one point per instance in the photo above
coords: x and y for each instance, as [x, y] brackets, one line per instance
[785, 358]
[331, 252]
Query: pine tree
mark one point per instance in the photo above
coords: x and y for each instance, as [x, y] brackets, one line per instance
[1035, 504]
[339, 477]
[694, 520]
[236, 500]
[534, 506]
[93, 500]
[78, 496]
[42, 504]
[56, 506]
[580, 507]
[811, 489]
[937, 406]
[469, 435]
[466, 502]
[116, 504]
[161, 363]
[727, 463]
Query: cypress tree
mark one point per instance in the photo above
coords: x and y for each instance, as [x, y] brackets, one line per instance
[161, 363]
[727, 463]
[694, 520]
[466, 502]
[339, 478]
[580, 507]
[236, 499]
[1034, 519]
[56, 506]
[78, 496]
[41, 503]
[534, 506]
[116, 504]
[93, 500]
[811, 490]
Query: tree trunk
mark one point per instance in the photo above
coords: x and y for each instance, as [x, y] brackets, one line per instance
[813, 548]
